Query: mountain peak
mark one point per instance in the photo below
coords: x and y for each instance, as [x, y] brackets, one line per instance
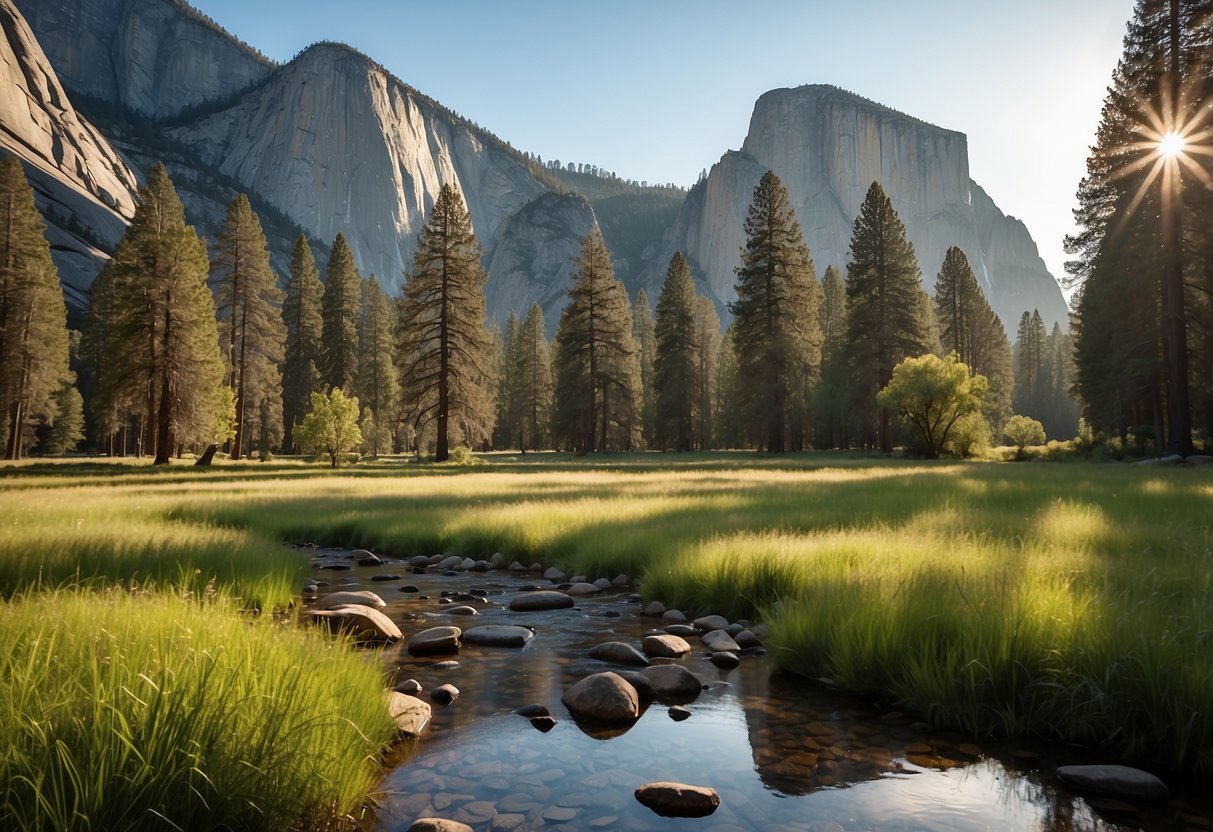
[831, 93]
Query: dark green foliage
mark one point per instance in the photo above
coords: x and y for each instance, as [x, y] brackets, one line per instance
[730, 429]
[444, 349]
[340, 309]
[506, 425]
[831, 403]
[643, 327]
[1044, 372]
[776, 328]
[530, 388]
[304, 336]
[888, 313]
[67, 431]
[676, 371]
[707, 338]
[33, 317]
[378, 386]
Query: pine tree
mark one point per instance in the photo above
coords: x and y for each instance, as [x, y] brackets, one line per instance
[971, 329]
[707, 338]
[68, 428]
[831, 400]
[304, 336]
[340, 309]
[1033, 369]
[162, 339]
[777, 331]
[643, 328]
[378, 386]
[249, 304]
[444, 346]
[597, 368]
[730, 432]
[676, 371]
[33, 317]
[1060, 408]
[532, 385]
[888, 313]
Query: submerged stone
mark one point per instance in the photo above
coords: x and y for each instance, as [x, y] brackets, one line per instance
[678, 800]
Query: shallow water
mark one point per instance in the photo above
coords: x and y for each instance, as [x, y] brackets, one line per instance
[783, 753]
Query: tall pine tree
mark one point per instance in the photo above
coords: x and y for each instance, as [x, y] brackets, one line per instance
[832, 398]
[302, 355]
[532, 385]
[707, 339]
[378, 387]
[33, 317]
[676, 370]
[444, 345]
[777, 332]
[643, 328]
[341, 307]
[888, 313]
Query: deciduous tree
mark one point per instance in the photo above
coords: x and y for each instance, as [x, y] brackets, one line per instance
[932, 394]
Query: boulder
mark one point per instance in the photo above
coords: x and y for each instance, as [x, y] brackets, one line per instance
[438, 825]
[680, 630]
[603, 699]
[544, 599]
[462, 609]
[746, 639]
[517, 567]
[620, 580]
[410, 714]
[678, 800]
[665, 646]
[583, 589]
[725, 660]
[364, 623]
[672, 682]
[654, 608]
[618, 652]
[1114, 781]
[644, 690]
[410, 686]
[365, 598]
[555, 576]
[498, 635]
[603, 583]
[467, 564]
[435, 640]
[718, 641]
[419, 560]
[452, 562]
[444, 694]
[711, 622]
[673, 617]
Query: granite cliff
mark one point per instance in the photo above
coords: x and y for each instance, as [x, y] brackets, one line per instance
[828, 146]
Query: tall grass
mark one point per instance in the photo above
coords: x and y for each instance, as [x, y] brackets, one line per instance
[133, 711]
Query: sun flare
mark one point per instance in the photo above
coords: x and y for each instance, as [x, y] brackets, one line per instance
[1171, 145]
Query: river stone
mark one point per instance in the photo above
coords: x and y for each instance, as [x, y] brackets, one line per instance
[408, 712]
[680, 630]
[450, 664]
[543, 723]
[438, 825]
[718, 641]
[311, 590]
[497, 560]
[618, 652]
[725, 660]
[435, 640]
[603, 583]
[603, 698]
[583, 589]
[678, 800]
[379, 578]
[665, 646]
[410, 686]
[674, 617]
[466, 564]
[644, 690]
[335, 567]
[654, 608]
[678, 713]
[452, 562]
[517, 567]
[533, 710]
[558, 814]
[463, 609]
[498, 635]
[711, 622]
[535, 567]
[365, 623]
[620, 580]
[507, 822]
[444, 694]
[746, 639]
[419, 560]
[579, 579]
[1114, 781]
[365, 557]
[734, 628]
[410, 588]
[555, 576]
[341, 599]
[544, 599]
[672, 681]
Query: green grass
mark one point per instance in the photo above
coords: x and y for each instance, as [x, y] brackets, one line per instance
[136, 711]
[1071, 600]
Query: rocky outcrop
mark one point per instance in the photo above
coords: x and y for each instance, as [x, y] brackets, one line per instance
[828, 146]
[154, 58]
[83, 187]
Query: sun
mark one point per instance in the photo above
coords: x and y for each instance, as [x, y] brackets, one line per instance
[1171, 145]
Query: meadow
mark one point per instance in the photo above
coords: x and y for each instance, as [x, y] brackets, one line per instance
[1070, 601]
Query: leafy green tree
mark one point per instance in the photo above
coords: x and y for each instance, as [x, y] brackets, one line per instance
[33, 317]
[67, 430]
[971, 329]
[888, 313]
[532, 387]
[302, 354]
[340, 308]
[643, 327]
[777, 332]
[378, 386]
[596, 365]
[676, 370]
[332, 425]
[249, 304]
[162, 343]
[1024, 431]
[932, 394]
[707, 338]
[444, 347]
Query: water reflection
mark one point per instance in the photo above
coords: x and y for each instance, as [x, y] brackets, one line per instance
[783, 754]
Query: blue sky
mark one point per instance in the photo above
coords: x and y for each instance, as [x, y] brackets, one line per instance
[657, 90]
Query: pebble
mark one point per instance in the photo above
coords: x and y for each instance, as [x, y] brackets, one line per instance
[678, 713]
[444, 694]
[559, 814]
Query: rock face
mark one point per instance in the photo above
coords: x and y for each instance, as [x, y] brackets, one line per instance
[82, 186]
[153, 57]
[828, 146]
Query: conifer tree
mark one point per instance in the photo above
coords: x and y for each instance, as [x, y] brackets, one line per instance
[378, 386]
[730, 432]
[68, 428]
[646, 340]
[505, 431]
[341, 307]
[676, 371]
[597, 369]
[707, 338]
[302, 355]
[532, 385]
[33, 317]
[777, 331]
[971, 329]
[888, 313]
[444, 344]
[162, 340]
[251, 332]
[831, 399]
[1032, 387]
